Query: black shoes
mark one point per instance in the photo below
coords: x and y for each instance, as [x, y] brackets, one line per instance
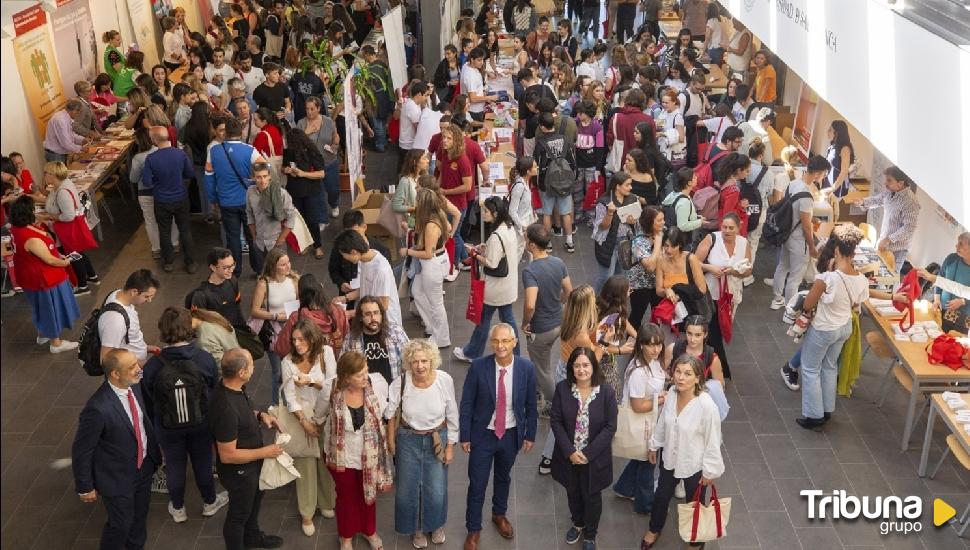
[264, 541]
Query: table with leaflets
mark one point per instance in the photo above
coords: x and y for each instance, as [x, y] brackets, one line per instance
[954, 416]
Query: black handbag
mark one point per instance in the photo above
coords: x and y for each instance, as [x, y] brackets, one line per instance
[266, 332]
[249, 341]
[502, 269]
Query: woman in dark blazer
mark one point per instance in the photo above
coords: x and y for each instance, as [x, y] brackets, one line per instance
[583, 422]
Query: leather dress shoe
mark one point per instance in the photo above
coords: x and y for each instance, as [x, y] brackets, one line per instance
[471, 541]
[504, 527]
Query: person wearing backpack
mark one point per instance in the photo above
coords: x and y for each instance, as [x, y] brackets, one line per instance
[678, 208]
[609, 230]
[708, 170]
[122, 329]
[176, 386]
[798, 246]
[756, 188]
[556, 158]
[734, 170]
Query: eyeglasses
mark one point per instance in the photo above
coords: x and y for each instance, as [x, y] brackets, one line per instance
[503, 340]
[229, 267]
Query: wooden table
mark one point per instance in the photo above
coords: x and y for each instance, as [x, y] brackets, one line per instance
[717, 81]
[939, 407]
[671, 28]
[927, 378]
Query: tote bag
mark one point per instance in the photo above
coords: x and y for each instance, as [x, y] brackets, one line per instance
[300, 444]
[700, 523]
[614, 160]
[277, 472]
[633, 429]
[299, 238]
[476, 296]
[725, 311]
[75, 235]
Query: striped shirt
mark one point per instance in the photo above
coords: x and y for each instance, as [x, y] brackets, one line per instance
[899, 217]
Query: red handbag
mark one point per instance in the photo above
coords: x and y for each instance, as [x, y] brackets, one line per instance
[725, 311]
[593, 193]
[75, 235]
[946, 350]
[476, 296]
[911, 288]
[536, 197]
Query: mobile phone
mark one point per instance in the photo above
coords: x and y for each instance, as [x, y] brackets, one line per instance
[74, 256]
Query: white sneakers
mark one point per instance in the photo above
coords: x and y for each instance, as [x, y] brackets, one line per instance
[308, 529]
[452, 275]
[66, 345]
[334, 212]
[221, 500]
[178, 514]
[777, 302]
[41, 340]
[327, 514]
[460, 354]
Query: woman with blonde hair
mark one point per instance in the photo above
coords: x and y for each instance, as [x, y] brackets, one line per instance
[422, 431]
[416, 162]
[432, 226]
[789, 157]
[275, 287]
[350, 412]
[214, 333]
[309, 364]
[62, 208]
[578, 330]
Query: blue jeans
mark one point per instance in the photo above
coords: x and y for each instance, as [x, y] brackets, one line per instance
[234, 225]
[604, 273]
[716, 55]
[820, 369]
[796, 360]
[476, 346]
[178, 446]
[636, 481]
[460, 252]
[331, 186]
[421, 496]
[200, 184]
[314, 212]
[380, 133]
[276, 372]
[900, 257]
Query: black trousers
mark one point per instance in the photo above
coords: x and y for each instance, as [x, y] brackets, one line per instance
[585, 507]
[625, 16]
[665, 491]
[242, 512]
[640, 299]
[654, 28]
[716, 340]
[83, 270]
[165, 214]
[125, 527]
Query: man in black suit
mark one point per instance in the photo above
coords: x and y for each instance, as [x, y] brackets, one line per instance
[115, 452]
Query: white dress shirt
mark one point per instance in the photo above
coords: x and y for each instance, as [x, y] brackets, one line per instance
[509, 413]
[691, 441]
[123, 397]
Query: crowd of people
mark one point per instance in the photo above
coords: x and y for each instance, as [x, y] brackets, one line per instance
[251, 138]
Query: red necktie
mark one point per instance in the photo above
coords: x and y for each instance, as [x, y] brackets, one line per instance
[500, 405]
[137, 425]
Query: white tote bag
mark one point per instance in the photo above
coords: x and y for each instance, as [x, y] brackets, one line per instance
[614, 160]
[279, 471]
[633, 431]
[700, 523]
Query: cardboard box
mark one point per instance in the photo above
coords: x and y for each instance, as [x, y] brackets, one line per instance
[369, 203]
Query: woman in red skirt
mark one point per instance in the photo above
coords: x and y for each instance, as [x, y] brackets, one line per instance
[350, 409]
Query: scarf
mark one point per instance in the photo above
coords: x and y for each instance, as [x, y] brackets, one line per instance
[271, 201]
[374, 460]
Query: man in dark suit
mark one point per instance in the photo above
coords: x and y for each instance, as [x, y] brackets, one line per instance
[115, 452]
[498, 417]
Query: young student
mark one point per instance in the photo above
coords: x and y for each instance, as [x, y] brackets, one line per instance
[590, 154]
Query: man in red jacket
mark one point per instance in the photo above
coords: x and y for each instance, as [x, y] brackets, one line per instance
[627, 118]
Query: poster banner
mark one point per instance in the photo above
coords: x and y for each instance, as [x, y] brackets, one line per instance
[353, 105]
[206, 11]
[393, 25]
[805, 114]
[143, 21]
[75, 42]
[37, 65]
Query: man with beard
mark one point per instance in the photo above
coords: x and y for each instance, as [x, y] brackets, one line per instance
[379, 341]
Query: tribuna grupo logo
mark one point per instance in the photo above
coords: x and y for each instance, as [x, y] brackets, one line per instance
[895, 514]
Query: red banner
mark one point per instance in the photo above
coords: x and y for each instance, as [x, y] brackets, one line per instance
[28, 20]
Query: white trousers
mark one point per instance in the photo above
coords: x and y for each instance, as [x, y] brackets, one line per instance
[426, 290]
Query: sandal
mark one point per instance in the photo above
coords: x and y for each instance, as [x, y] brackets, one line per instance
[438, 536]
[375, 542]
[644, 545]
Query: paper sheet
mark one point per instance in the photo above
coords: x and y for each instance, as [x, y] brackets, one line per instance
[633, 209]
[291, 306]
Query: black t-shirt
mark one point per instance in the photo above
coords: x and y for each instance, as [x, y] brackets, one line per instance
[377, 358]
[231, 418]
[241, 26]
[301, 187]
[304, 86]
[271, 97]
[223, 298]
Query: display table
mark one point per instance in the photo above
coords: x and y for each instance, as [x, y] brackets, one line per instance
[938, 407]
[717, 81]
[927, 378]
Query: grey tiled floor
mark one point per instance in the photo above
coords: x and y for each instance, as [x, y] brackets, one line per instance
[769, 458]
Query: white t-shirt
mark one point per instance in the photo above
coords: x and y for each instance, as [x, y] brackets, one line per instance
[377, 279]
[426, 408]
[253, 78]
[835, 305]
[714, 25]
[676, 84]
[588, 69]
[696, 107]
[801, 205]
[472, 81]
[716, 124]
[111, 329]
[174, 45]
[644, 382]
[226, 71]
[410, 118]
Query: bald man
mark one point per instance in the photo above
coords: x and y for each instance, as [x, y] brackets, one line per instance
[165, 173]
[115, 452]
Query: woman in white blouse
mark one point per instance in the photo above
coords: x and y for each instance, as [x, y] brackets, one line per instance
[305, 369]
[422, 432]
[350, 412]
[275, 287]
[520, 198]
[689, 432]
[643, 391]
[174, 44]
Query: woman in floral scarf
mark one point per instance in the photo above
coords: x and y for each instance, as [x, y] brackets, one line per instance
[349, 410]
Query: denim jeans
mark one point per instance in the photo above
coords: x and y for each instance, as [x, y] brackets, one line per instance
[421, 496]
[276, 373]
[234, 225]
[796, 360]
[476, 346]
[460, 252]
[180, 445]
[900, 257]
[636, 482]
[200, 186]
[51, 156]
[380, 133]
[820, 369]
[331, 186]
[604, 273]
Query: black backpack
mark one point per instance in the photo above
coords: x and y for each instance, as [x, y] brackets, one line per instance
[179, 394]
[750, 191]
[558, 176]
[780, 222]
[89, 344]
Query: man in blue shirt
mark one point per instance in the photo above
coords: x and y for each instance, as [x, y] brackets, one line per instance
[228, 173]
[165, 173]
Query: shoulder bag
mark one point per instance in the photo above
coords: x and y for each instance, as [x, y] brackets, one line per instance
[614, 160]
[502, 269]
[300, 444]
[633, 429]
[277, 472]
[700, 523]
[245, 183]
